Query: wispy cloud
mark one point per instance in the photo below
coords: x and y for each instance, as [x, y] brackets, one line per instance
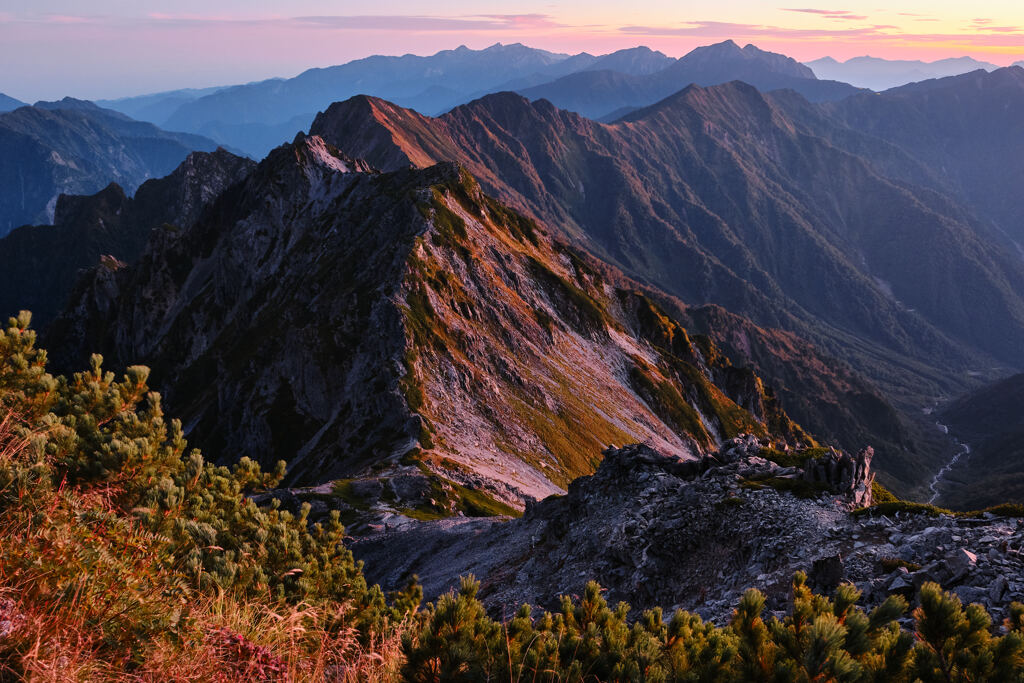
[721, 29]
[376, 22]
[827, 13]
[997, 36]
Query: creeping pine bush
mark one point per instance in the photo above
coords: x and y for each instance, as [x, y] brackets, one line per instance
[109, 519]
[126, 556]
[820, 639]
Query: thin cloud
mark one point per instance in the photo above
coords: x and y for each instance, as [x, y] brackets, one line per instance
[878, 34]
[377, 22]
[721, 29]
[827, 13]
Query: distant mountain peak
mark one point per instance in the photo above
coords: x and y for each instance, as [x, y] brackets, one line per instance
[67, 103]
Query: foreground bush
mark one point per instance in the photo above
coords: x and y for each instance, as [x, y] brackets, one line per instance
[126, 556]
[120, 548]
[819, 640]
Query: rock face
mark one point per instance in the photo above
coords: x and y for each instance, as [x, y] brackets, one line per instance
[390, 325]
[657, 531]
[39, 265]
[75, 147]
[851, 476]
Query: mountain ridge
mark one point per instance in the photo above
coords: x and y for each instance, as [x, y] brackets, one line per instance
[498, 357]
[75, 147]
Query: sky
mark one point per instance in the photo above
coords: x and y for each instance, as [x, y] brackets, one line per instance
[96, 49]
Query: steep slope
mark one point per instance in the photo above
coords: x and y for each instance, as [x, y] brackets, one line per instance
[356, 320]
[882, 74]
[969, 128]
[39, 265]
[721, 180]
[74, 147]
[989, 420]
[724, 195]
[598, 94]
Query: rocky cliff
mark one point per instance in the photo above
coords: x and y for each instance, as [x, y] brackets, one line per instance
[356, 320]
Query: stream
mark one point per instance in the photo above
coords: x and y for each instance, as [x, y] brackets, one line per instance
[963, 451]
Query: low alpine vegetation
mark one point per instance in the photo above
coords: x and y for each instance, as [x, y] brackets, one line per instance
[124, 555]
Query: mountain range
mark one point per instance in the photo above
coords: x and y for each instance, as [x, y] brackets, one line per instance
[629, 329]
[42, 263]
[75, 147]
[857, 257]
[259, 116]
[609, 94]
[965, 130]
[709, 198]
[882, 74]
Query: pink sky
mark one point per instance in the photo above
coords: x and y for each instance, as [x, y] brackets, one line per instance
[55, 47]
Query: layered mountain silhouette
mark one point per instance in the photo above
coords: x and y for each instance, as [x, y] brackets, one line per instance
[258, 116]
[610, 94]
[39, 265]
[156, 107]
[883, 74]
[75, 147]
[356, 320]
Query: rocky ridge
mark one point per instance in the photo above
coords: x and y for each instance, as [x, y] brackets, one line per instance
[656, 531]
[725, 195]
[40, 264]
[408, 327]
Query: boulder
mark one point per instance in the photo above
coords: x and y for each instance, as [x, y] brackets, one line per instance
[959, 564]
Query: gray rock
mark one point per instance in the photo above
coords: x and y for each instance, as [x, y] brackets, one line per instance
[998, 589]
[959, 564]
[970, 594]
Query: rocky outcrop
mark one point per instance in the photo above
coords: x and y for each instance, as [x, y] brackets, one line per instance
[654, 530]
[848, 477]
[851, 476]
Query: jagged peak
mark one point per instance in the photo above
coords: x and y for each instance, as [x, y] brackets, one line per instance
[313, 149]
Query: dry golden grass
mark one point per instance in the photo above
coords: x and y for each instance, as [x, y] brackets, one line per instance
[227, 642]
[78, 600]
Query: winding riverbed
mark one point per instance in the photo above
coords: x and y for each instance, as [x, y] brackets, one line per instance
[963, 450]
